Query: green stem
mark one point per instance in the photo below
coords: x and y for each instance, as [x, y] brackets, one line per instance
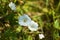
[58, 6]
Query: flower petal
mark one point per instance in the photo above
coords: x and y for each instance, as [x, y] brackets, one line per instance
[33, 26]
[12, 6]
[41, 36]
[24, 20]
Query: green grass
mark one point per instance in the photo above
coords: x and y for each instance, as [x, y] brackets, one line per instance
[45, 12]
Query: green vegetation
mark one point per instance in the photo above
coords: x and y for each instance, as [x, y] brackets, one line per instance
[45, 12]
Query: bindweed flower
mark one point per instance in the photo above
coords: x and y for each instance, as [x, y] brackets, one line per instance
[24, 20]
[12, 6]
[33, 26]
[41, 36]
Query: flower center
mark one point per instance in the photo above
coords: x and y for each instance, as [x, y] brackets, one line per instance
[24, 20]
[32, 26]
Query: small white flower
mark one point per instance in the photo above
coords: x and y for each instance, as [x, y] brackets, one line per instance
[33, 26]
[24, 20]
[41, 36]
[12, 6]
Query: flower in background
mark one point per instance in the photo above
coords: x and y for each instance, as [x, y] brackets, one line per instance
[33, 26]
[41, 36]
[12, 6]
[24, 20]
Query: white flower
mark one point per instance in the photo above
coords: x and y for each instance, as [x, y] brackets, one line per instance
[33, 26]
[12, 6]
[41, 36]
[24, 20]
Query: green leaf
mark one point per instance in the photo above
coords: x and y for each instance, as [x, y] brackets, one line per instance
[15, 1]
[4, 0]
[19, 29]
[56, 24]
[13, 38]
[30, 37]
[55, 34]
[9, 33]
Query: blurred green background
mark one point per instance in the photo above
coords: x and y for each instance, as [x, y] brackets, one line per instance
[45, 12]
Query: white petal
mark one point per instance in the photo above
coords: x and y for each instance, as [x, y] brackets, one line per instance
[33, 26]
[26, 18]
[12, 6]
[41, 36]
[22, 24]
